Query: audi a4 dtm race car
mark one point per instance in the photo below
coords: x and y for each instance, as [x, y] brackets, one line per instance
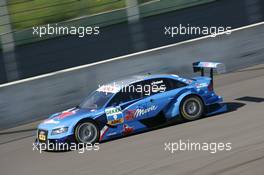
[134, 105]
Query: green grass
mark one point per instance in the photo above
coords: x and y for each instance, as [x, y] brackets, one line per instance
[28, 13]
[164, 6]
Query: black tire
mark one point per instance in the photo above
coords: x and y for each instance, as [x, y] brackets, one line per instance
[85, 135]
[191, 108]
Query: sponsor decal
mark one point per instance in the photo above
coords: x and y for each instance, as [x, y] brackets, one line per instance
[185, 80]
[64, 114]
[140, 112]
[113, 111]
[112, 134]
[201, 85]
[111, 88]
[103, 131]
[208, 64]
[127, 129]
[114, 115]
[60, 116]
[51, 121]
[132, 114]
[116, 121]
[157, 82]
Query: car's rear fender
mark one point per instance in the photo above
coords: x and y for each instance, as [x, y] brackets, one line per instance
[173, 109]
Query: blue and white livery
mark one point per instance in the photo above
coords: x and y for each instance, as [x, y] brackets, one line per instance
[133, 105]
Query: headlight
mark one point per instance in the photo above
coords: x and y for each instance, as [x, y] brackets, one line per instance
[59, 130]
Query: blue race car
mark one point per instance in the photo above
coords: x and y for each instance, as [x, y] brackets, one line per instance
[134, 105]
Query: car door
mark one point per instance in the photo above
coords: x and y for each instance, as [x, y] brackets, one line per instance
[135, 104]
[129, 101]
[157, 99]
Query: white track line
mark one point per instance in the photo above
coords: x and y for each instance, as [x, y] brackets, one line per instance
[123, 57]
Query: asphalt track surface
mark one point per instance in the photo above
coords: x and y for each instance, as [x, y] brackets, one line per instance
[242, 125]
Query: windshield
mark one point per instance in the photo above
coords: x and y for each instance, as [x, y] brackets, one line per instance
[96, 100]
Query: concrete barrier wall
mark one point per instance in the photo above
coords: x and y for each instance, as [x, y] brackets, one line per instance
[36, 99]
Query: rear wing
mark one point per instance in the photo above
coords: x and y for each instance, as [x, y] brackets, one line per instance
[213, 66]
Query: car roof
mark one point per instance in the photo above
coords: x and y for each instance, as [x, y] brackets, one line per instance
[137, 78]
[116, 86]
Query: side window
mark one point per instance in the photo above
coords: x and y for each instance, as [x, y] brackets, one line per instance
[129, 93]
[134, 91]
[144, 89]
[159, 85]
[174, 84]
[154, 86]
[120, 97]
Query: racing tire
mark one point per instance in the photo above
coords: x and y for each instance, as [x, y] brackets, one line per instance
[191, 108]
[87, 133]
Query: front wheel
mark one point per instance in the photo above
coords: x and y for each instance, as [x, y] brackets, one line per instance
[87, 132]
[192, 108]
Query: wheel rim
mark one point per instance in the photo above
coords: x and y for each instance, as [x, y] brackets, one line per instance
[87, 133]
[192, 108]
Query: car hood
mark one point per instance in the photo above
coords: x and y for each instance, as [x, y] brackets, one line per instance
[69, 117]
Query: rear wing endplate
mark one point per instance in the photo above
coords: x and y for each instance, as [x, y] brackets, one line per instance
[213, 66]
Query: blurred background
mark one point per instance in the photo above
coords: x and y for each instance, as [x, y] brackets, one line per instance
[126, 26]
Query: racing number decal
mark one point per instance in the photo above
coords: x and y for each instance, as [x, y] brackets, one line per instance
[42, 136]
[114, 115]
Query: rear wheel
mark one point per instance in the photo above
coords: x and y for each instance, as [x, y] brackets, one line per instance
[87, 132]
[192, 108]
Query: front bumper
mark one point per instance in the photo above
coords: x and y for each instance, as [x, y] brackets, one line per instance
[62, 144]
[43, 136]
